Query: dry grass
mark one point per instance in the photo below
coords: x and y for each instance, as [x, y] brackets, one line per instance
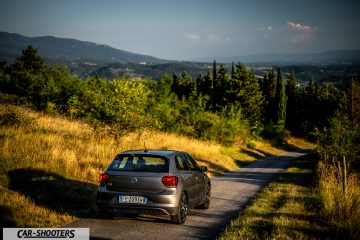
[286, 209]
[52, 150]
[19, 210]
[299, 142]
[342, 212]
[267, 148]
[65, 156]
[300, 206]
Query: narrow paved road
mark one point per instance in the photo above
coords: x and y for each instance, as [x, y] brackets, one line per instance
[230, 193]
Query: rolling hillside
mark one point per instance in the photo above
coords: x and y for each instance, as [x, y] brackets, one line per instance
[64, 49]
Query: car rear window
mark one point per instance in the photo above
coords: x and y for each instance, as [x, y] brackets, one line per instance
[141, 163]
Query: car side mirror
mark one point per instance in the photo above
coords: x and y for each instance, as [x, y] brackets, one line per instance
[203, 169]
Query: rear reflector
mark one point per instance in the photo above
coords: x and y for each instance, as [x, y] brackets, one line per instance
[170, 181]
[104, 178]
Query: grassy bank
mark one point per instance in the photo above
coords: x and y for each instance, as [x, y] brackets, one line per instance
[306, 202]
[288, 208]
[341, 211]
[49, 165]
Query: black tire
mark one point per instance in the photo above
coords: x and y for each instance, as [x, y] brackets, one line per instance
[180, 216]
[206, 203]
[107, 213]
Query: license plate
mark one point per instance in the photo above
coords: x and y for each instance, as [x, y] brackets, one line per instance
[132, 199]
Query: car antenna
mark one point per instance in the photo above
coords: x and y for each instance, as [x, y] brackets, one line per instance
[145, 151]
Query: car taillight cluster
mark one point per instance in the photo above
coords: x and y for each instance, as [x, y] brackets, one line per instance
[104, 178]
[170, 181]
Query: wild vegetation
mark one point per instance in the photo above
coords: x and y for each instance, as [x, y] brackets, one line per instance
[218, 106]
[94, 118]
[45, 159]
[288, 208]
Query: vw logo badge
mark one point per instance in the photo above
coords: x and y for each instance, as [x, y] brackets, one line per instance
[134, 180]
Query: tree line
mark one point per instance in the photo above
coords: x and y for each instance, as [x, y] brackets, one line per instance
[222, 105]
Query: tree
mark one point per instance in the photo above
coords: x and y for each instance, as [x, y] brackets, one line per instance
[216, 86]
[292, 106]
[269, 91]
[232, 70]
[245, 91]
[221, 87]
[202, 90]
[162, 88]
[280, 100]
[30, 61]
[182, 85]
[119, 103]
[353, 96]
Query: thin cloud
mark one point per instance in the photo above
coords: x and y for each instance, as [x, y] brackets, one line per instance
[301, 33]
[299, 27]
[192, 36]
[209, 39]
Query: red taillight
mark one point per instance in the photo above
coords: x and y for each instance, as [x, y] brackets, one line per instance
[104, 178]
[170, 181]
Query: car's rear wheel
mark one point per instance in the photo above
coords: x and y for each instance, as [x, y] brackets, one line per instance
[107, 213]
[206, 203]
[180, 216]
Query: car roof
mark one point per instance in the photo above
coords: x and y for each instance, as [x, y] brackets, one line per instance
[159, 152]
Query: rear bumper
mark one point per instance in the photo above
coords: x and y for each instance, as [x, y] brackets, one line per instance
[164, 203]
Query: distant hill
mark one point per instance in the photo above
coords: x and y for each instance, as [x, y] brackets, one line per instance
[64, 49]
[86, 59]
[325, 58]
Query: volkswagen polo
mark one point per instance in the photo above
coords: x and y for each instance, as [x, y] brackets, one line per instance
[153, 182]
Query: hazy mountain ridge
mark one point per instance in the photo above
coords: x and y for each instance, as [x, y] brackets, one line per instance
[66, 49]
[327, 57]
[86, 59]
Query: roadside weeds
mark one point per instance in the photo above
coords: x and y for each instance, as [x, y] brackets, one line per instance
[288, 208]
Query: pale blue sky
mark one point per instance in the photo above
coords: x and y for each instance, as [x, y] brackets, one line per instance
[192, 29]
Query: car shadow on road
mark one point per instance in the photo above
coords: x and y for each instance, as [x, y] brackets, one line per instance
[55, 192]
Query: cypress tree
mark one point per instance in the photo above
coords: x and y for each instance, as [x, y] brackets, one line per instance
[232, 70]
[280, 100]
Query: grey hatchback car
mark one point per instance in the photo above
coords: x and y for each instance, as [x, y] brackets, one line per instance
[153, 182]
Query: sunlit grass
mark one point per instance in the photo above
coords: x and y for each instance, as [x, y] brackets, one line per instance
[341, 211]
[66, 154]
[54, 146]
[299, 142]
[286, 209]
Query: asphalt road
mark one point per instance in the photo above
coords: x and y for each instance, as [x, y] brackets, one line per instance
[230, 194]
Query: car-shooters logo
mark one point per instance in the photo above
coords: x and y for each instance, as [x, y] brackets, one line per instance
[46, 233]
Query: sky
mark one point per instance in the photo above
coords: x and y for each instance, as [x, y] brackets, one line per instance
[192, 29]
